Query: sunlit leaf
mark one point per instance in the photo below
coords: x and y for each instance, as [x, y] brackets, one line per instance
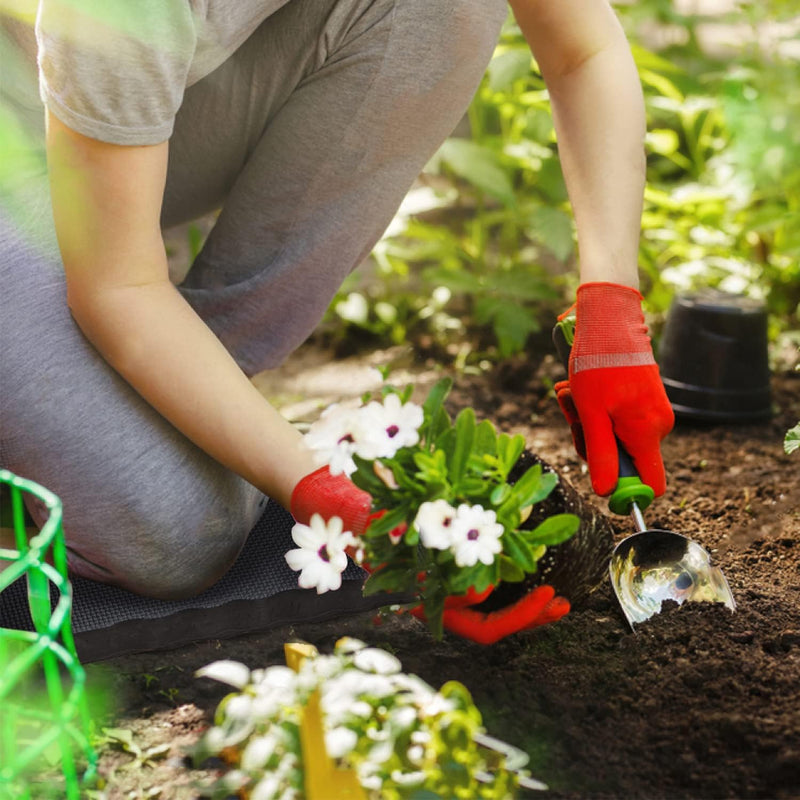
[480, 166]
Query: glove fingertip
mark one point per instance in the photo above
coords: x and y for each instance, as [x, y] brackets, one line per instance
[557, 608]
[654, 476]
[604, 477]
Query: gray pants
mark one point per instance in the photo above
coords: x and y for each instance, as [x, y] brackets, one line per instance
[307, 139]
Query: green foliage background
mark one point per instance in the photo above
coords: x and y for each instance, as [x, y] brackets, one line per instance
[484, 246]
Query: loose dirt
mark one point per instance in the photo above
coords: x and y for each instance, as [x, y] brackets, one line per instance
[699, 702]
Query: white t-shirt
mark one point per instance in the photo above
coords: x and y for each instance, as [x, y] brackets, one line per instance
[116, 70]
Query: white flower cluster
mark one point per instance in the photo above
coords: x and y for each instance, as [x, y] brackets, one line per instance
[375, 430]
[270, 763]
[472, 533]
[376, 719]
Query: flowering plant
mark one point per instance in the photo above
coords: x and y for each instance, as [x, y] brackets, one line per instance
[402, 738]
[449, 516]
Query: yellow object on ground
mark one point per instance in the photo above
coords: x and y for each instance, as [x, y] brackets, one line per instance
[323, 779]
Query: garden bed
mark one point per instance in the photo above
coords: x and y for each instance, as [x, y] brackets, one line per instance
[698, 703]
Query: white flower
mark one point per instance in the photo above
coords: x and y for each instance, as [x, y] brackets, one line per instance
[340, 741]
[377, 430]
[434, 521]
[408, 778]
[393, 425]
[321, 558]
[438, 704]
[257, 752]
[404, 716]
[349, 644]
[239, 708]
[267, 788]
[226, 671]
[416, 753]
[476, 536]
[337, 435]
[373, 659]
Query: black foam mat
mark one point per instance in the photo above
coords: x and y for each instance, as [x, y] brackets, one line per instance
[259, 592]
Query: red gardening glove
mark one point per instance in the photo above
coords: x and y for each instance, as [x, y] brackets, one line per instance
[538, 607]
[328, 495]
[615, 387]
[567, 404]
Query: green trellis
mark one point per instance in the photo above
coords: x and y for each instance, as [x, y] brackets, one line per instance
[33, 728]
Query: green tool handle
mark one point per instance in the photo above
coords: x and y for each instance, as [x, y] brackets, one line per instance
[629, 490]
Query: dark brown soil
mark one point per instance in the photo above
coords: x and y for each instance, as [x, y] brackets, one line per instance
[699, 702]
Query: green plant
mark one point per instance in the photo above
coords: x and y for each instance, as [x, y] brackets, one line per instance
[403, 739]
[450, 518]
[489, 221]
[792, 440]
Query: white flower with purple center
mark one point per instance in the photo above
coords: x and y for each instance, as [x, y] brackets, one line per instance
[476, 536]
[338, 435]
[434, 521]
[321, 557]
[393, 424]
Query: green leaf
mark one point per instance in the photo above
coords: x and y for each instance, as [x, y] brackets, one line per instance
[479, 577]
[508, 67]
[456, 280]
[509, 449]
[485, 439]
[365, 478]
[663, 141]
[534, 486]
[480, 166]
[436, 418]
[499, 494]
[518, 283]
[465, 434]
[509, 571]
[519, 551]
[792, 440]
[511, 322]
[388, 522]
[432, 466]
[553, 530]
[390, 579]
[554, 229]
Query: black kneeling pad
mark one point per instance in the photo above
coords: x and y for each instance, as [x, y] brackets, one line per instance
[258, 592]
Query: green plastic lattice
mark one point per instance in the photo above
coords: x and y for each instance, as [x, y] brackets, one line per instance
[33, 728]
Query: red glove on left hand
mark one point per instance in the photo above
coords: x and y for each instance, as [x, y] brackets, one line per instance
[328, 495]
[538, 607]
[614, 388]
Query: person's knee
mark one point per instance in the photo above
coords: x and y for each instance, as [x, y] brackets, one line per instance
[178, 567]
[168, 551]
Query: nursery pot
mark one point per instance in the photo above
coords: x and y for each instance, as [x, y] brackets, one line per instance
[713, 357]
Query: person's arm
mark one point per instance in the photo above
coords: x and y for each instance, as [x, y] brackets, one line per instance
[106, 203]
[599, 117]
[614, 391]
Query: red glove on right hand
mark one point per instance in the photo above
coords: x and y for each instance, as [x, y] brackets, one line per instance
[614, 387]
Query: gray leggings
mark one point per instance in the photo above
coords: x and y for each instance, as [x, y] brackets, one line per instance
[307, 139]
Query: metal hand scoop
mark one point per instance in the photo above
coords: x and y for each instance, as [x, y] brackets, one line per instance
[651, 566]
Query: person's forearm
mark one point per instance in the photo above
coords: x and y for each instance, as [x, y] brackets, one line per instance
[106, 205]
[599, 116]
[154, 339]
[600, 127]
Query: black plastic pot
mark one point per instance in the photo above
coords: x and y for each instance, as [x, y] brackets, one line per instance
[713, 357]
